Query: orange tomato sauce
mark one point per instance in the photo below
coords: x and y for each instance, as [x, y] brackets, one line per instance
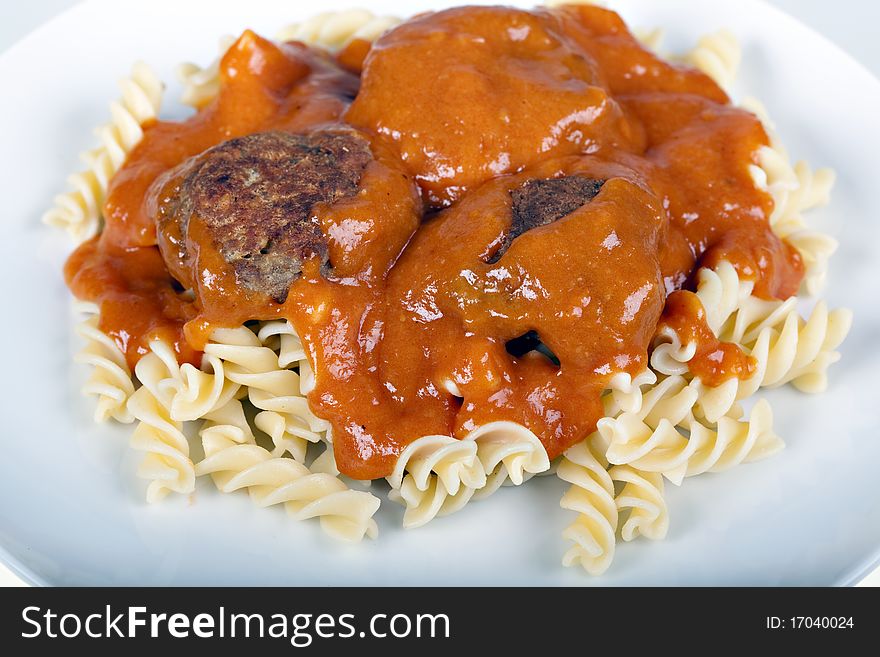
[408, 333]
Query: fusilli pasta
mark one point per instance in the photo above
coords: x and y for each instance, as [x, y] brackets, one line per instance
[166, 464]
[641, 500]
[110, 379]
[284, 412]
[718, 55]
[785, 347]
[333, 30]
[79, 210]
[666, 436]
[591, 496]
[671, 425]
[794, 189]
[344, 514]
[435, 475]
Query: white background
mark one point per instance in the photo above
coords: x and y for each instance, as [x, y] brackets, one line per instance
[849, 23]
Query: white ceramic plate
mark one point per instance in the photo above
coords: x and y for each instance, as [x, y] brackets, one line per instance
[70, 506]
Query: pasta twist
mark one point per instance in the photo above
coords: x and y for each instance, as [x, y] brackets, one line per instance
[110, 379]
[647, 439]
[641, 501]
[794, 189]
[79, 211]
[171, 394]
[654, 440]
[281, 337]
[732, 442]
[510, 446]
[284, 412]
[717, 55]
[344, 514]
[227, 423]
[333, 30]
[625, 391]
[198, 392]
[510, 453]
[435, 475]
[166, 464]
[786, 348]
[591, 496]
[201, 85]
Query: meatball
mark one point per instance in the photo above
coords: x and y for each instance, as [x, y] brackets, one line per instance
[254, 196]
[542, 201]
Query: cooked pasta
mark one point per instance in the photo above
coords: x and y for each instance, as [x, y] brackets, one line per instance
[341, 338]
[795, 189]
[436, 475]
[718, 56]
[79, 210]
[166, 463]
[333, 30]
[666, 436]
[641, 500]
[200, 85]
[591, 496]
[344, 514]
[284, 413]
[110, 379]
[785, 347]
[227, 424]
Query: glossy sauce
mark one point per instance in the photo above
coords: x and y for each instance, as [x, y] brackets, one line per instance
[407, 334]
[714, 361]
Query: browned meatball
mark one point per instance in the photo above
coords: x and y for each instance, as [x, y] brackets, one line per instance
[254, 195]
[542, 201]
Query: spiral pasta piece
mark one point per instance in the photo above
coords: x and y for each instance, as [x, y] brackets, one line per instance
[344, 514]
[284, 412]
[166, 464]
[110, 380]
[641, 502]
[625, 391]
[717, 55]
[732, 442]
[201, 85]
[795, 189]
[591, 496]
[647, 439]
[667, 437]
[280, 336]
[225, 424]
[429, 470]
[333, 30]
[510, 453]
[510, 446]
[198, 392]
[79, 210]
[786, 348]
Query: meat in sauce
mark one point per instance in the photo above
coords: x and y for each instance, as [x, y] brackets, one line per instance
[255, 195]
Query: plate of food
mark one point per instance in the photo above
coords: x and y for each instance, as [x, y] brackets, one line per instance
[426, 294]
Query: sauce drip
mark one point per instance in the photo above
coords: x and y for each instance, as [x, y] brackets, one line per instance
[409, 331]
[714, 361]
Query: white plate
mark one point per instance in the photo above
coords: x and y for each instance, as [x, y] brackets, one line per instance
[70, 506]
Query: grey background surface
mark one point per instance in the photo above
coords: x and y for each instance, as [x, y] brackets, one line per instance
[848, 23]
